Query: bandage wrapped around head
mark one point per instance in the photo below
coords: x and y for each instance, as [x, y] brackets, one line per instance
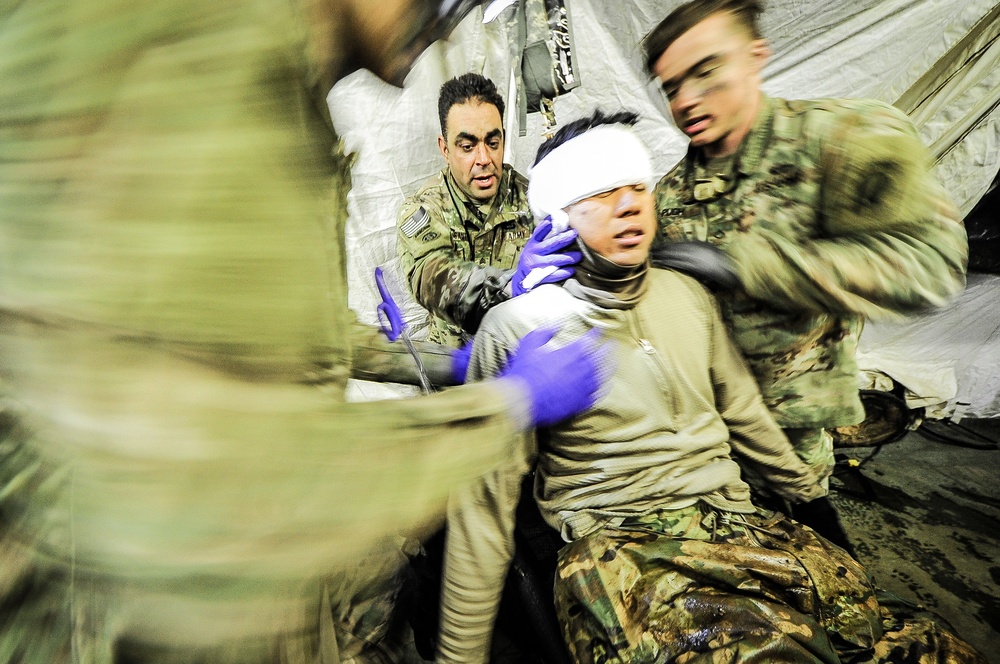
[601, 159]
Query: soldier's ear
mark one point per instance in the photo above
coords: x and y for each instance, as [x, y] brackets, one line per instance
[443, 146]
[760, 53]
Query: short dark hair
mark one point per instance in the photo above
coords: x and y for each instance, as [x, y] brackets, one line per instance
[583, 125]
[464, 88]
[690, 14]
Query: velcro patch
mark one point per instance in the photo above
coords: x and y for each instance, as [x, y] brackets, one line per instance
[415, 222]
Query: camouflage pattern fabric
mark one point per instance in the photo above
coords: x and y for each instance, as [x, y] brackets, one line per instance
[912, 635]
[459, 257]
[373, 357]
[697, 585]
[542, 59]
[830, 214]
[369, 625]
[175, 486]
[813, 446]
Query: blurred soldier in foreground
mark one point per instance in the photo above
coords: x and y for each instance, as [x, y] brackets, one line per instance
[175, 486]
[806, 215]
[461, 235]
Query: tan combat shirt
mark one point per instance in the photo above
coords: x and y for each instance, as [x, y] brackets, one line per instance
[678, 406]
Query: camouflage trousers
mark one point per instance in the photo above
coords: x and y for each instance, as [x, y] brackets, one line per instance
[368, 621]
[697, 585]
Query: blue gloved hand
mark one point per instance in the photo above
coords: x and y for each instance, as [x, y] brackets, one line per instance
[390, 317]
[460, 363]
[544, 254]
[562, 382]
[706, 263]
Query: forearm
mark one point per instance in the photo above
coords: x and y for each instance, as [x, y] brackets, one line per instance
[757, 440]
[480, 545]
[324, 479]
[375, 358]
[480, 542]
[753, 433]
[460, 292]
[876, 274]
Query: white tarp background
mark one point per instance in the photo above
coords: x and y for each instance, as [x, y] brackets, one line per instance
[939, 60]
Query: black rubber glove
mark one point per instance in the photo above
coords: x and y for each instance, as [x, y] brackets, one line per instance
[709, 265]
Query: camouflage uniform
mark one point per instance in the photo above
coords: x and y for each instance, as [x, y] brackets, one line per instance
[459, 256]
[830, 214]
[174, 487]
[703, 585]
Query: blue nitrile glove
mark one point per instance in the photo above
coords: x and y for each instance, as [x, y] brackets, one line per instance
[706, 263]
[460, 362]
[390, 317]
[562, 382]
[544, 254]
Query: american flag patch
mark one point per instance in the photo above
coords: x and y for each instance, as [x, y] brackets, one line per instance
[415, 223]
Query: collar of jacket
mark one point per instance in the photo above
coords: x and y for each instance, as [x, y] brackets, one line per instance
[605, 283]
[752, 148]
[748, 155]
[483, 216]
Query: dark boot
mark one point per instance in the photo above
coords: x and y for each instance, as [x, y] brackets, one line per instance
[821, 516]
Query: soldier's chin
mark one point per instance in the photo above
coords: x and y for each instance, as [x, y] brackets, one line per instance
[700, 138]
[390, 67]
[483, 196]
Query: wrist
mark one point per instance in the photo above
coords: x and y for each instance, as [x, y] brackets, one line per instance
[517, 395]
[508, 284]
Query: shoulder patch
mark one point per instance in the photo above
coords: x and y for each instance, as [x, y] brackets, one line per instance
[415, 222]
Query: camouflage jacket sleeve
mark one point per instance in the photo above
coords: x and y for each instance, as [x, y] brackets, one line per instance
[373, 357]
[755, 437]
[441, 279]
[889, 239]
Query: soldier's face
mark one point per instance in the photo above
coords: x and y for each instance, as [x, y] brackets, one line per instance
[711, 78]
[618, 224]
[346, 35]
[473, 148]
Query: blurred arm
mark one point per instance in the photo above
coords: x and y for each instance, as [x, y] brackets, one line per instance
[892, 243]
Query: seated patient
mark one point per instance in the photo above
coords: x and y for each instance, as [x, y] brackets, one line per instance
[666, 557]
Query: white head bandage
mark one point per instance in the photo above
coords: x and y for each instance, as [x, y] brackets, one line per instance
[601, 159]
